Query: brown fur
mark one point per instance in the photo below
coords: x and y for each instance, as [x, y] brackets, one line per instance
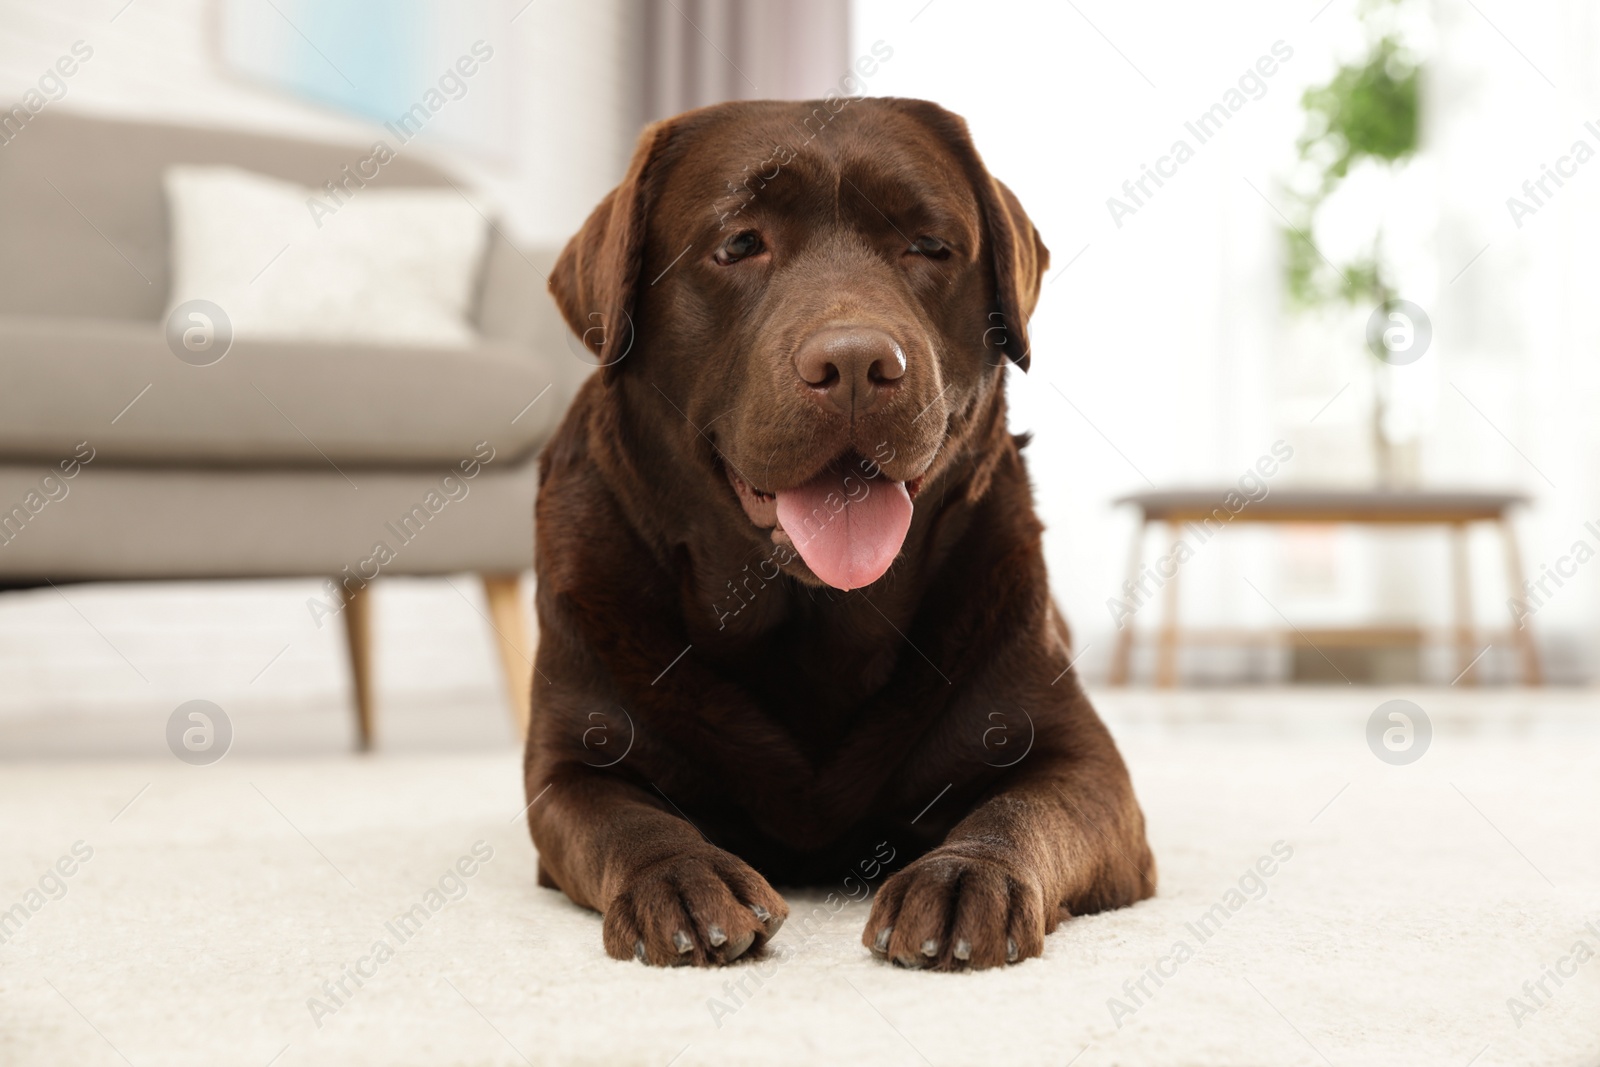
[806, 733]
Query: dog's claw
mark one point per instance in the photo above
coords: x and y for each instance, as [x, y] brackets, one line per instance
[638, 950]
[963, 949]
[907, 957]
[880, 944]
[716, 934]
[739, 946]
[681, 942]
[930, 947]
[1011, 950]
[762, 914]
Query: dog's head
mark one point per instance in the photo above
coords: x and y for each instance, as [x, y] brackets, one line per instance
[827, 292]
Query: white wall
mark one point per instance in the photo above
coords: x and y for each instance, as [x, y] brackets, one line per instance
[563, 88]
[156, 60]
[1169, 336]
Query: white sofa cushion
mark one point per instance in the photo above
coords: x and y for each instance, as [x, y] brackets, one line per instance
[286, 262]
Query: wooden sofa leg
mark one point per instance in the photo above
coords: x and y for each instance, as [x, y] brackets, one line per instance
[358, 634]
[510, 618]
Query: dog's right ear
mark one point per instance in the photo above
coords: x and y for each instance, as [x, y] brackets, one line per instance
[1018, 254]
[595, 279]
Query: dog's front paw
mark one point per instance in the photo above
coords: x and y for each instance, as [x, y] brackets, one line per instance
[706, 907]
[948, 912]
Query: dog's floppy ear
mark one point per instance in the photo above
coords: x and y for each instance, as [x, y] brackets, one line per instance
[1019, 255]
[1020, 260]
[596, 277]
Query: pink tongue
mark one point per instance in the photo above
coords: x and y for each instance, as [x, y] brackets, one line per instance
[847, 527]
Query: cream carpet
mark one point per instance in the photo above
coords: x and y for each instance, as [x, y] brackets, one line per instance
[207, 906]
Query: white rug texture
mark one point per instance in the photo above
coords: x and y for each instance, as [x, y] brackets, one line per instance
[1444, 912]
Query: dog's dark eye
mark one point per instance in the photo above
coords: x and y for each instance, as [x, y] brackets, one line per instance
[931, 247]
[740, 246]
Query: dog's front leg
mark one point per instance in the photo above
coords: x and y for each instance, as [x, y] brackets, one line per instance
[1065, 839]
[667, 896]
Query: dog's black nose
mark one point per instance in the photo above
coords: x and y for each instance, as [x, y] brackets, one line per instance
[850, 369]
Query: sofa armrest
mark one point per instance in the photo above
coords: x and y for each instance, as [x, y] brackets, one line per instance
[513, 301]
[515, 306]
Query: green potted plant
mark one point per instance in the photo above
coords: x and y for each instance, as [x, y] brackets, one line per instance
[1368, 111]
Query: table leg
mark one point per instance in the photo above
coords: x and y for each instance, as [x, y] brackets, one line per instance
[1461, 565]
[1531, 674]
[1167, 658]
[1122, 656]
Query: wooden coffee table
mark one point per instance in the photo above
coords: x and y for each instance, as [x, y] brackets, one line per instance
[1455, 510]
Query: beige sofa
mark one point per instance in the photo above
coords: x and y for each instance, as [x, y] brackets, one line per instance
[118, 460]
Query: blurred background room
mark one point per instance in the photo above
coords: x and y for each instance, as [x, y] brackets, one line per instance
[1232, 199]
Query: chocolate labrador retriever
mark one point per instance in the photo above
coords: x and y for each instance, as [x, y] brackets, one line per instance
[794, 624]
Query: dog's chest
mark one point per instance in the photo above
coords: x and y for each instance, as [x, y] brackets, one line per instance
[817, 685]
